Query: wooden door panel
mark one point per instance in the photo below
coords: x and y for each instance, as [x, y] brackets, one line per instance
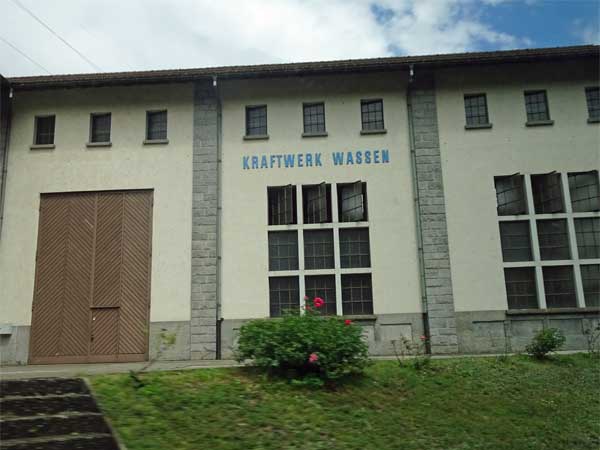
[105, 331]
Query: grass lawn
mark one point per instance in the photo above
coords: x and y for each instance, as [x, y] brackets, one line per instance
[467, 403]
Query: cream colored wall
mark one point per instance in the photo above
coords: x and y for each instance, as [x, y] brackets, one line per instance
[244, 196]
[471, 159]
[126, 165]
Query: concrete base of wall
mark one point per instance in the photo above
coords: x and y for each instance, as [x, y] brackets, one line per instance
[14, 348]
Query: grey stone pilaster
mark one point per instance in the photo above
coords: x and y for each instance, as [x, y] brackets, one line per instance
[204, 224]
[432, 215]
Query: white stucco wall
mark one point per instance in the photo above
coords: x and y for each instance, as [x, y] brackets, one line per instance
[471, 159]
[245, 287]
[126, 165]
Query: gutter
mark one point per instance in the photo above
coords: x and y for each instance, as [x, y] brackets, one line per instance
[4, 141]
[219, 319]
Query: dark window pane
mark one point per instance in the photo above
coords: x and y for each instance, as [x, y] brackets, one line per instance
[553, 239]
[547, 193]
[357, 294]
[156, 124]
[372, 114]
[318, 249]
[100, 128]
[282, 205]
[322, 286]
[283, 250]
[521, 290]
[476, 109]
[284, 295]
[316, 201]
[516, 241]
[559, 286]
[354, 247]
[256, 120]
[590, 278]
[510, 195]
[588, 237]
[314, 118]
[536, 105]
[44, 130]
[592, 96]
[585, 192]
[352, 201]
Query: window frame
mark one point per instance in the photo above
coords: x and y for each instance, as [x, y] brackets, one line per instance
[530, 121]
[317, 133]
[36, 124]
[591, 117]
[326, 187]
[247, 134]
[164, 140]
[363, 129]
[292, 213]
[473, 125]
[94, 116]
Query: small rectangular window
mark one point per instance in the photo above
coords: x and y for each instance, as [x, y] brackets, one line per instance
[510, 195]
[318, 249]
[476, 111]
[547, 193]
[282, 205]
[156, 125]
[354, 247]
[588, 237]
[559, 286]
[44, 130]
[592, 97]
[521, 289]
[372, 114]
[553, 239]
[316, 201]
[590, 278]
[256, 120]
[283, 250]
[100, 127]
[516, 241]
[585, 191]
[352, 201]
[357, 294]
[322, 286]
[314, 118]
[284, 295]
[536, 105]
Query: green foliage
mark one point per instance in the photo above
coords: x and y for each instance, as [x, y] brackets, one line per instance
[413, 353]
[545, 341]
[592, 336]
[306, 347]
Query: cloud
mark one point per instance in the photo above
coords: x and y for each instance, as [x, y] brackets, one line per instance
[587, 33]
[156, 34]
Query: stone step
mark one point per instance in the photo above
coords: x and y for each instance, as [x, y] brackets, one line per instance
[42, 386]
[95, 441]
[73, 424]
[46, 405]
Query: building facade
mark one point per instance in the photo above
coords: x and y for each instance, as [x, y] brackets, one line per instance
[455, 196]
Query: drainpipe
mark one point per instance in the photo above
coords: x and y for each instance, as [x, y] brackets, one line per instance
[218, 318]
[416, 202]
[5, 115]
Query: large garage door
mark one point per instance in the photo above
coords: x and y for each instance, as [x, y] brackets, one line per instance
[92, 288]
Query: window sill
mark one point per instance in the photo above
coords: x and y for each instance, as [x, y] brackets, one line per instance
[42, 147]
[593, 120]
[155, 141]
[320, 134]
[98, 144]
[481, 126]
[367, 132]
[256, 137]
[539, 123]
[534, 312]
[361, 317]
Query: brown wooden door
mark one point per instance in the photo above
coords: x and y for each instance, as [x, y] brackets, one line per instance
[92, 289]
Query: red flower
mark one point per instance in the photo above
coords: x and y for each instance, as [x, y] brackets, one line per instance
[318, 302]
[313, 358]
[347, 322]
[423, 338]
[307, 307]
[306, 297]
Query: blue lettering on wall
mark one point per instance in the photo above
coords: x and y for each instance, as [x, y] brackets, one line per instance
[291, 160]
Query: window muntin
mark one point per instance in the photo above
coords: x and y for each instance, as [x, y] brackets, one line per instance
[352, 202]
[590, 278]
[322, 286]
[521, 289]
[357, 294]
[316, 201]
[100, 127]
[283, 250]
[476, 112]
[354, 247]
[587, 231]
[585, 191]
[553, 239]
[156, 125]
[547, 193]
[559, 285]
[314, 118]
[372, 114]
[536, 105]
[44, 130]
[256, 120]
[592, 97]
[516, 241]
[282, 205]
[510, 195]
[318, 249]
[284, 295]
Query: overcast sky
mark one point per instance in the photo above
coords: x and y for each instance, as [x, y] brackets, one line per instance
[118, 35]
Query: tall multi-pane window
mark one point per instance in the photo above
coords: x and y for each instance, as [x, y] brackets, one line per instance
[317, 203]
[521, 288]
[536, 105]
[100, 128]
[559, 285]
[585, 191]
[352, 202]
[156, 125]
[322, 286]
[44, 130]
[372, 115]
[547, 193]
[282, 205]
[587, 231]
[256, 120]
[510, 195]
[357, 294]
[590, 278]
[592, 97]
[283, 250]
[355, 248]
[284, 295]
[516, 241]
[318, 249]
[476, 112]
[314, 118]
[553, 239]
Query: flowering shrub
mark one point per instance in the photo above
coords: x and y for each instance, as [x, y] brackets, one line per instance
[305, 346]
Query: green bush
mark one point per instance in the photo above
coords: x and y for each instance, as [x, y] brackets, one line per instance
[310, 348]
[545, 341]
